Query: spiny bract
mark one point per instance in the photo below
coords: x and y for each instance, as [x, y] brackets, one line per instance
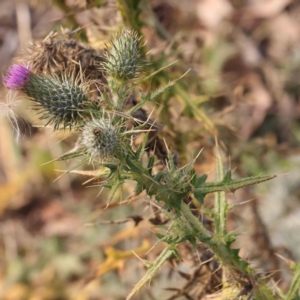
[64, 101]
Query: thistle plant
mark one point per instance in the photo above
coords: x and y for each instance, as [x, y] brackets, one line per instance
[105, 139]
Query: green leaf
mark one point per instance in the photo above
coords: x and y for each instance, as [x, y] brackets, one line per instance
[145, 99]
[133, 166]
[293, 293]
[154, 73]
[193, 177]
[227, 177]
[139, 152]
[200, 180]
[192, 239]
[199, 196]
[162, 89]
[71, 155]
[160, 236]
[211, 187]
[139, 188]
[159, 176]
[150, 165]
[189, 171]
[230, 238]
[171, 162]
[112, 167]
[114, 187]
[165, 255]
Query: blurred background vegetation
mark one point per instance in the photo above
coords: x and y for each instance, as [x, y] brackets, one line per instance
[60, 240]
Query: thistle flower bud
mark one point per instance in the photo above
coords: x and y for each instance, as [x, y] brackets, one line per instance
[62, 100]
[101, 139]
[125, 60]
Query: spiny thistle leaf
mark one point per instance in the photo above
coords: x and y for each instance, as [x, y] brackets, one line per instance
[162, 89]
[133, 166]
[154, 73]
[198, 182]
[114, 188]
[232, 185]
[145, 99]
[138, 189]
[154, 267]
[71, 155]
[199, 195]
[114, 185]
[150, 165]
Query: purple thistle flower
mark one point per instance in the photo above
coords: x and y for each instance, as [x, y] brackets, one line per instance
[16, 77]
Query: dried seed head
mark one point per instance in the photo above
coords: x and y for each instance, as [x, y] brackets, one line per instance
[125, 59]
[62, 100]
[59, 56]
[101, 139]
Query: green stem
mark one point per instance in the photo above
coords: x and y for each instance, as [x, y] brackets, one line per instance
[220, 206]
[165, 255]
[229, 259]
[223, 252]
